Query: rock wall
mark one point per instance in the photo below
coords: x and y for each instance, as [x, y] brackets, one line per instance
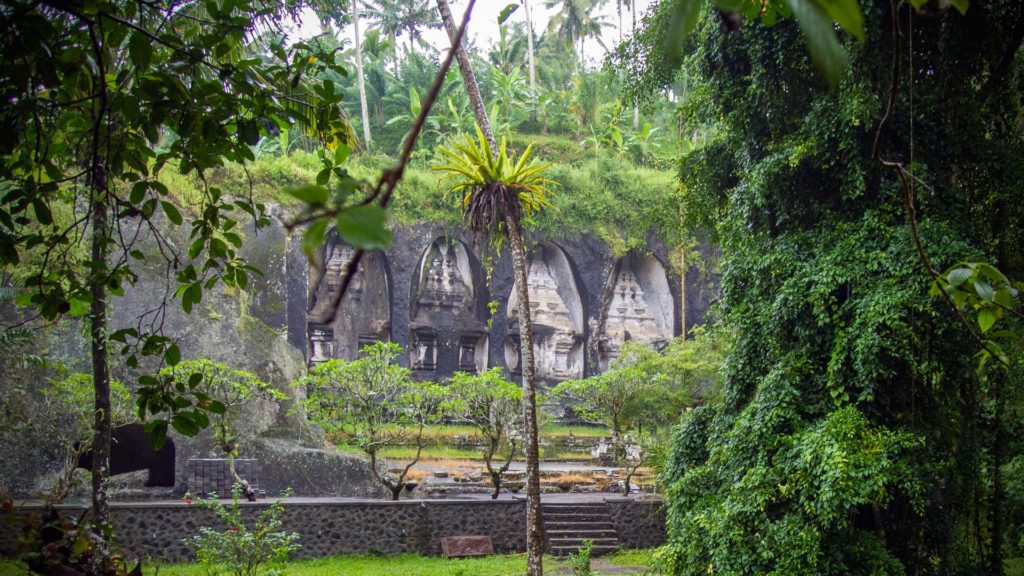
[453, 307]
[327, 528]
[640, 523]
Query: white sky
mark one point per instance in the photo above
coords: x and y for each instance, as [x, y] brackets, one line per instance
[483, 26]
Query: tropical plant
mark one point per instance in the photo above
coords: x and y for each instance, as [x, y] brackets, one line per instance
[241, 550]
[398, 17]
[498, 194]
[495, 407]
[222, 392]
[375, 404]
[102, 101]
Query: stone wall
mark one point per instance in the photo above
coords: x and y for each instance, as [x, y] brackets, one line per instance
[156, 529]
[640, 523]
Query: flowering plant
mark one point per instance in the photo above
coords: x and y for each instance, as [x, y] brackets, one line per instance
[239, 550]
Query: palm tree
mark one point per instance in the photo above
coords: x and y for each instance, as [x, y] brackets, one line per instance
[531, 59]
[364, 111]
[398, 17]
[575, 21]
[497, 193]
[468, 78]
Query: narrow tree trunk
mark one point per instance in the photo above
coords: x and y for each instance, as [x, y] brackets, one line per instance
[534, 527]
[996, 499]
[359, 76]
[636, 106]
[530, 59]
[475, 100]
[98, 344]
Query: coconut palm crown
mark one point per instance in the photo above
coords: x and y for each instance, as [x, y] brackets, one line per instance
[495, 186]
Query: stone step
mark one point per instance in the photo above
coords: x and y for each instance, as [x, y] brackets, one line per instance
[579, 526]
[574, 506]
[573, 541]
[575, 517]
[581, 535]
[572, 549]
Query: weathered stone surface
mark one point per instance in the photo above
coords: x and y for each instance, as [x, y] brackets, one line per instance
[459, 546]
[640, 523]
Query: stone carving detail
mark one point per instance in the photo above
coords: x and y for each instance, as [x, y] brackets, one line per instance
[424, 347]
[364, 313]
[557, 324]
[448, 323]
[633, 313]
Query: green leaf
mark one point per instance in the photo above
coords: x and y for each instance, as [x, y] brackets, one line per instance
[173, 355]
[312, 194]
[341, 154]
[313, 238]
[172, 212]
[847, 14]
[960, 5]
[984, 290]
[827, 53]
[157, 430]
[185, 425]
[958, 276]
[79, 307]
[363, 227]
[506, 12]
[140, 50]
[986, 318]
[684, 18]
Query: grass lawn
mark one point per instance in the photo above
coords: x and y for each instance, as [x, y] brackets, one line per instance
[403, 565]
[1015, 567]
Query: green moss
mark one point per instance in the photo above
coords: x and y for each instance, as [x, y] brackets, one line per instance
[257, 336]
[606, 196]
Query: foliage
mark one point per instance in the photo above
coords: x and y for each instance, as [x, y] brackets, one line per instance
[374, 404]
[494, 184]
[579, 562]
[57, 544]
[241, 550]
[495, 407]
[221, 391]
[838, 345]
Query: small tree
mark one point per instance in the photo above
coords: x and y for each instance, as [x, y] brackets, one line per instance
[495, 406]
[375, 404]
[221, 391]
[66, 413]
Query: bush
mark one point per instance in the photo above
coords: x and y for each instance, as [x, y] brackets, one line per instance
[580, 561]
[237, 549]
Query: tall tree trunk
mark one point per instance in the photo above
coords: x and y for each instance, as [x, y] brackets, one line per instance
[996, 498]
[364, 111]
[534, 526]
[636, 105]
[99, 184]
[98, 345]
[468, 78]
[530, 59]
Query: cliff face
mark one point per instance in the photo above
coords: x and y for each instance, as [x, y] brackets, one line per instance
[448, 303]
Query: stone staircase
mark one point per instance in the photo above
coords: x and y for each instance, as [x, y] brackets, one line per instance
[568, 525]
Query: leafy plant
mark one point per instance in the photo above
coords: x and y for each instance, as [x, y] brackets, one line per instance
[580, 561]
[492, 185]
[375, 404]
[241, 550]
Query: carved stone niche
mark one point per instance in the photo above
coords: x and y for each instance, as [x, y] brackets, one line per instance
[640, 307]
[364, 313]
[321, 343]
[424, 350]
[448, 318]
[513, 355]
[556, 311]
[472, 352]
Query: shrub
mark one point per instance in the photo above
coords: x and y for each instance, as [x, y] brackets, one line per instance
[238, 550]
